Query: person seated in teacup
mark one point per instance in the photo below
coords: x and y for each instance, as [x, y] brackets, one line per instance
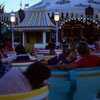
[66, 57]
[85, 60]
[15, 81]
[20, 55]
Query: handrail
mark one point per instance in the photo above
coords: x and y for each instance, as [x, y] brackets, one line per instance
[38, 94]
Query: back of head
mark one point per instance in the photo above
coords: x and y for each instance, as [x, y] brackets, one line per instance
[20, 49]
[51, 46]
[36, 74]
[83, 48]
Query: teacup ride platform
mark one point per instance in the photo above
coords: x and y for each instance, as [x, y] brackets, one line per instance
[76, 84]
[22, 65]
[43, 53]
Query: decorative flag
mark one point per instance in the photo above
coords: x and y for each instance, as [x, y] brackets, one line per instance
[20, 3]
[27, 5]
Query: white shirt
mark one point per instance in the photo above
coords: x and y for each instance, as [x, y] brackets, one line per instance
[13, 57]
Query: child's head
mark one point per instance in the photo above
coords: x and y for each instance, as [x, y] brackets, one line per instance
[36, 74]
[66, 51]
[69, 53]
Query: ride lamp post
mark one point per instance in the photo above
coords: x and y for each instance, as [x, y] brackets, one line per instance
[12, 19]
[56, 18]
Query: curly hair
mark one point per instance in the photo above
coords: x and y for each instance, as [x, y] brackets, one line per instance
[66, 51]
[83, 48]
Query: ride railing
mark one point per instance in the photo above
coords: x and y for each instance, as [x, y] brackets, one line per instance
[45, 56]
[22, 65]
[38, 94]
[76, 84]
[47, 51]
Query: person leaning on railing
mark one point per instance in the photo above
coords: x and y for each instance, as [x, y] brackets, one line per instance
[85, 60]
[20, 55]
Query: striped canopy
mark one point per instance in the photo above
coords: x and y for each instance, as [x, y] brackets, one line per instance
[36, 21]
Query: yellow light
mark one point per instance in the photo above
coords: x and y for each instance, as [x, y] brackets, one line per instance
[12, 17]
[74, 18]
[56, 16]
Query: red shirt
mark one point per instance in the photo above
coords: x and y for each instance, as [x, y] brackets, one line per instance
[88, 61]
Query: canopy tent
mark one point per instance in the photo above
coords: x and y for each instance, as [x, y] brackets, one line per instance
[35, 21]
[66, 4]
[38, 20]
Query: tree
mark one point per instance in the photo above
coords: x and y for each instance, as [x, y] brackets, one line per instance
[1, 8]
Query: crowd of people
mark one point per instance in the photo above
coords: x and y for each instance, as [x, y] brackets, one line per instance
[85, 59]
[36, 74]
[13, 80]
